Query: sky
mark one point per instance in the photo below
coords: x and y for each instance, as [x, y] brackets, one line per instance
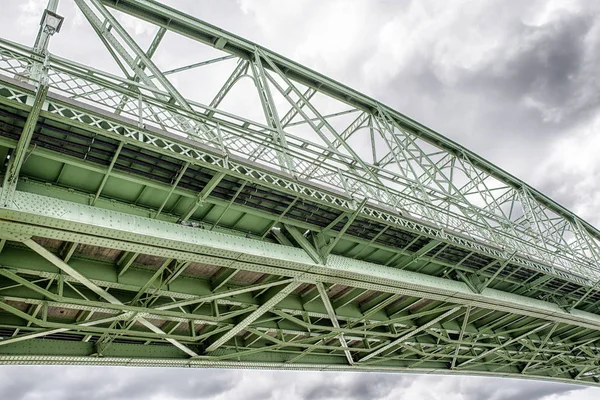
[515, 81]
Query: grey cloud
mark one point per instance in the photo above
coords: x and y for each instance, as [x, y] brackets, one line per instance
[359, 387]
[548, 64]
[538, 83]
[106, 383]
[121, 383]
[509, 389]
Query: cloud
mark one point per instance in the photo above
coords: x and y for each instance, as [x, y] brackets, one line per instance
[505, 89]
[571, 172]
[121, 383]
[352, 386]
[96, 383]
[511, 389]
[30, 12]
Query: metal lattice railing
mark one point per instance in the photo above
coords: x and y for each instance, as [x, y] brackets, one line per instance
[413, 178]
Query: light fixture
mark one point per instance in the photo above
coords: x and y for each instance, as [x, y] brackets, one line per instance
[51, 22]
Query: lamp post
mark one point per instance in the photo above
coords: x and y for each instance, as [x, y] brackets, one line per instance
[50, 24]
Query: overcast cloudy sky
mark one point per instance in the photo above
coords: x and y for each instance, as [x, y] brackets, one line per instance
[516, 81]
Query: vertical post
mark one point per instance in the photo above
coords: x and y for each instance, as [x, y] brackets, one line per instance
[20, 154]
[49, 25]
[271, 114]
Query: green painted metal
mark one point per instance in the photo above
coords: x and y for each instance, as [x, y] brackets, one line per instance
[15, 163]
[134, 217]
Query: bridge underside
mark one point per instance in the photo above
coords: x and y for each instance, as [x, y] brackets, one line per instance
[115, 284]
[128, 241]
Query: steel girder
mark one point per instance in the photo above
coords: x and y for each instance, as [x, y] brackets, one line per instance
[277, 325]
[423, 257]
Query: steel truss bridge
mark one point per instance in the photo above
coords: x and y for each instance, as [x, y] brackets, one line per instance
[141, 227]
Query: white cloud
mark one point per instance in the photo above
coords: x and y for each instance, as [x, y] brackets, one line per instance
[110, 383]
[30, 12]
[572, 171]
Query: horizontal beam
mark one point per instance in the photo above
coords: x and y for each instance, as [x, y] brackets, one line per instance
[480, 346]
[73, 300]
[38, 215]
[134, 355]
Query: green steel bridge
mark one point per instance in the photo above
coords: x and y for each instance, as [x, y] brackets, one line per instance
[142, 227]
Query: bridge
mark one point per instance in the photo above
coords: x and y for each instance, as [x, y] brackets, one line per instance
[139, 226]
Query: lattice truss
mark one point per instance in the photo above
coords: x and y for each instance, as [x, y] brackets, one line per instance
[317, 141]
[379, 155]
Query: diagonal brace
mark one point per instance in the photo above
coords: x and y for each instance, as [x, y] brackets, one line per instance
[408, 335]
[304, 243]
[98, 290]
[350, 220]
[266, 306]
[508, 342]
[334, 321]
[204, 193]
